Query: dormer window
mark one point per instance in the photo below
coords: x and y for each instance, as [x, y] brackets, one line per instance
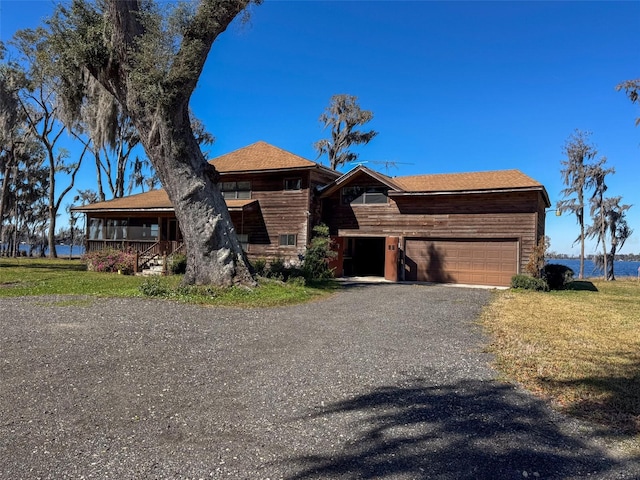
[293, 184]
[236, 190]
[361, 195]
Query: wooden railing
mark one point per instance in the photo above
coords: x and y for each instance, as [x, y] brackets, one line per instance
[159, 249]
[146, 251]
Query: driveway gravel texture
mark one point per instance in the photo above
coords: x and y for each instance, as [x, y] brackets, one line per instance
[377, 381]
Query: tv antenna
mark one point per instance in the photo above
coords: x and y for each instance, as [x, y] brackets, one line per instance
[386, 164]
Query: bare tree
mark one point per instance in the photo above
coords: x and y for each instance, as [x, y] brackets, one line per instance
[342, 116]
[40, 104]
[632, 90]
[150, 61]
[619, 230]
[24, 180]
[596, 179]
[10, 135]
[579, 153]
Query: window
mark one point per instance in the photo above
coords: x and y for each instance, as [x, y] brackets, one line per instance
[293, 184]
[116, 229]
[95, 229]
[143, 229]
[236, 190]
[288, 240]
[360, 195]
[243, 238]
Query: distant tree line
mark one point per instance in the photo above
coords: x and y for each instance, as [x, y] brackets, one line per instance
[585, 179]
[36, 172]
[619, 257]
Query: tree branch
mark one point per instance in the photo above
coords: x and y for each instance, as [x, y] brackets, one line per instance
[211, 19]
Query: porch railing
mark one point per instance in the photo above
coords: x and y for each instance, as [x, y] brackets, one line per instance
[162, 249]
[146, 251]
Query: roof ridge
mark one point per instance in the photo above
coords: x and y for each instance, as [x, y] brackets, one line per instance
[481, 172]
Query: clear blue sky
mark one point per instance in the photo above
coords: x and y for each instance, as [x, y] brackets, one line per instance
[454, 86]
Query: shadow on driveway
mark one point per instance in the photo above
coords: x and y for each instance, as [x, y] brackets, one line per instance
[470, 429]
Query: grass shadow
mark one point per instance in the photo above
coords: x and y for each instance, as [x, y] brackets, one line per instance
[581, 285]
[610, 400]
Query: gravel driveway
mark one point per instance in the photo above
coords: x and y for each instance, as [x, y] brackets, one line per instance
[378, 381]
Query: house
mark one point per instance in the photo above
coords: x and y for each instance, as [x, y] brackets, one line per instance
[472, 228]
[270, 194]
[476, 228]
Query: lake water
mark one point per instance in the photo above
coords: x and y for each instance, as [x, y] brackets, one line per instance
[620, 268]
[61, 250]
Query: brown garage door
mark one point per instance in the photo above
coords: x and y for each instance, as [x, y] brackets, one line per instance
[475, 262]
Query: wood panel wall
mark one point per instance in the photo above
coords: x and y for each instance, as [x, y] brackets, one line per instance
[280, 212]
[514, 215]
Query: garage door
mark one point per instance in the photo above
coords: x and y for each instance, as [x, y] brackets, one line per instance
[474, 262]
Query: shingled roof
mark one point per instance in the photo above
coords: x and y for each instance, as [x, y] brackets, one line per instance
[261, 156]
[454, 182]
[157, 200]
[153, 201]
[256, 157]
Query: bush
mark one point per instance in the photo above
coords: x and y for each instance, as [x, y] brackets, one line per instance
[260, 267]
[296, 280]
[318, 255]
[536, 258]
[153, 287]
[276, 269]
[110, 260]
[529, 283]
[557, 276]
[178, 264]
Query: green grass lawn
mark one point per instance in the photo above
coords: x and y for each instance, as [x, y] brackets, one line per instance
[579, 348]
[28, 276]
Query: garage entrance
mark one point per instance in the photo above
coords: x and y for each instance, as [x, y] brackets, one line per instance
[486, 262]
[364, 256]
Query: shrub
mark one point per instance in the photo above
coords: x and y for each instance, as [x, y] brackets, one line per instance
[557, 276]
[536, 258]
[153, 287]
[110, 260]
[296, 280]
[529, 283]
[178, 264]
[260, 267]
[318, 255]
[276, 269]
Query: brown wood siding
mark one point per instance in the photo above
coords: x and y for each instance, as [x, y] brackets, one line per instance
[278, 212]
[472, 216]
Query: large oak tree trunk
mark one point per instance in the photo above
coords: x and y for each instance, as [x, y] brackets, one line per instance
[214, 254]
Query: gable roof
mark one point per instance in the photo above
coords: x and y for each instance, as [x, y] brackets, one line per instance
[355, 172]
[257, 157]
[261, 156]
[448, 183]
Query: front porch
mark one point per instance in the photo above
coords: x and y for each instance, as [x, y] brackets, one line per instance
[149, 238]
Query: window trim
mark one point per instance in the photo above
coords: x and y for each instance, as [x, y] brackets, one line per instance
[236, 193]
[287, 237]
[243, 239]
[370, 189]
[293, 179]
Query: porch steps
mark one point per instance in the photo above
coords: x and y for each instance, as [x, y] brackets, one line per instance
[155, 268]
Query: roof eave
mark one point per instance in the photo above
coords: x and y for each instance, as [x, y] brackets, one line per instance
[472, 191]
[339, 182]
[121, 209]
[279, 170]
